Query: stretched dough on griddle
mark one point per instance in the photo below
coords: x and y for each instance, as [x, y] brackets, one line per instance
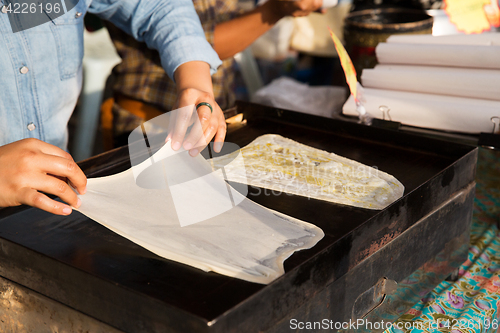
[283, 165]
[247, 241]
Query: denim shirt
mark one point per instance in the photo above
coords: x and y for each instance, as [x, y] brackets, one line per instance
[40, 68]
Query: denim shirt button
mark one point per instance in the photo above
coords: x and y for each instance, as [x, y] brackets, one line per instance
[5, 9]
[24, 70]
[78, 14]
[31, 127]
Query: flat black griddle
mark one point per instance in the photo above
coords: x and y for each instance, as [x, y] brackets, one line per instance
[92, 270]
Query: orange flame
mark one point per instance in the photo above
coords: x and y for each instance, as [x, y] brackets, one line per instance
[345, 61]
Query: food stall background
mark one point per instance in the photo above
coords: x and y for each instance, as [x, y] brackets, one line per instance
[296, 48]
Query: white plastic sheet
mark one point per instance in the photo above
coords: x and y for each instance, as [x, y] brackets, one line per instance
[287, 93]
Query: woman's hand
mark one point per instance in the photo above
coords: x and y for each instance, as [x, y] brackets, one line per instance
[194, 86]
[31, 166]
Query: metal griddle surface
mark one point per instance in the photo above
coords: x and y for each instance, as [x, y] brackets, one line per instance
[78, 242]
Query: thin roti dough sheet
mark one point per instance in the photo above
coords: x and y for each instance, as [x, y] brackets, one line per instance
[283, 165]
[246, 241]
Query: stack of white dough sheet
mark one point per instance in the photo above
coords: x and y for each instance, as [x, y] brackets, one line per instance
[449, 83]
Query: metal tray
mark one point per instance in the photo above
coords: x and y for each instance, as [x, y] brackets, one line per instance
[77, 262]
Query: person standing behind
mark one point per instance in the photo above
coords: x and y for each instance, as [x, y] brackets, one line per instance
[143, 91]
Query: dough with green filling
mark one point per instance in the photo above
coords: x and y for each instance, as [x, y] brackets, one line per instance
[283, 165]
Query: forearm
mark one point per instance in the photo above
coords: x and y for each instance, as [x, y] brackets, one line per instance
[236, 35]
[194, 75]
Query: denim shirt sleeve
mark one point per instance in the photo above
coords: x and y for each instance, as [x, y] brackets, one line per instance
[170, 26]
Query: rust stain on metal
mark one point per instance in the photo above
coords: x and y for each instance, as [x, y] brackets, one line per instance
[375, 246]
[459, 196]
